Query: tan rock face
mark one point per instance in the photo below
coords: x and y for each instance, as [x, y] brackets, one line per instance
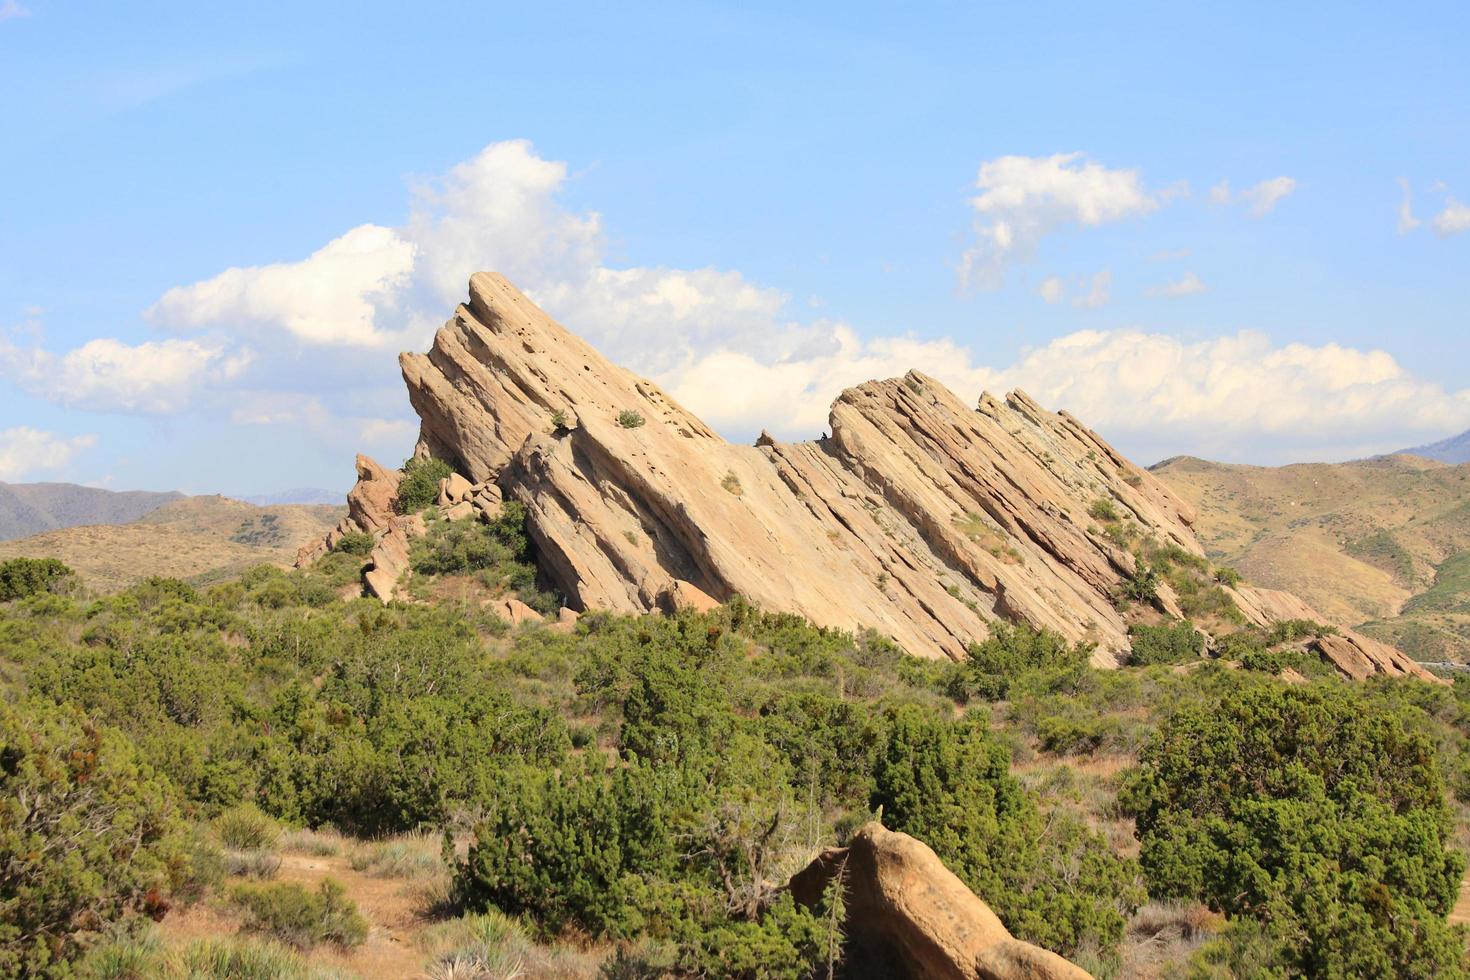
[918, 516]
[906, 910]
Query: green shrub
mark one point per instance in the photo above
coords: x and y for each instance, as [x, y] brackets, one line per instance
[949, 785]
[1314, 811]
[420, 484]
[1102, 509]
[1074, 736]
[1227, 576]
[292, 914]
[245, 828]
[572, 849]
[1169, 643]
[88, 837]
[1010, 653]
[629, 419]
[1291, 630]
[21, 578]
[358, 543]
[1142, 584]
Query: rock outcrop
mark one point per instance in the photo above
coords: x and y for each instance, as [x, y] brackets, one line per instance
[909, 915]
[918, 516]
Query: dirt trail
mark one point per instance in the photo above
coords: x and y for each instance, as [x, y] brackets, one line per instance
[389, 904]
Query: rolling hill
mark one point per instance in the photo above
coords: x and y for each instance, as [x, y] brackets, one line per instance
[200, 539]
[1383, 543]
[30, 508]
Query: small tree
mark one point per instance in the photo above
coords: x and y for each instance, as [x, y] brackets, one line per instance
[88, 837]
[420, 484]
[21, 578]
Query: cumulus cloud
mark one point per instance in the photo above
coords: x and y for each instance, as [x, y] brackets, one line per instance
[1236, 396]
[108, 375]
[1237, 391]
[13, 10]
[1188, 285]
[1454, 219]
[331, 297]
[24, 451]
[730, 350]
[1023, 199]
[1259, 199]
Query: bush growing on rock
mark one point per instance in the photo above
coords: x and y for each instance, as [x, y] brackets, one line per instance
[420, 484]
[1169, 643]
[359, 543]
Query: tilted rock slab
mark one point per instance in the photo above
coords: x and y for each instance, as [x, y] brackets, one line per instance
[918, 516]
[909, 915]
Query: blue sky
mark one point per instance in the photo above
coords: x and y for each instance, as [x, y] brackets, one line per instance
[1185, 223]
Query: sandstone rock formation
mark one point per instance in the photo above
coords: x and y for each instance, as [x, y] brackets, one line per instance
[918, 516]
[909, 915]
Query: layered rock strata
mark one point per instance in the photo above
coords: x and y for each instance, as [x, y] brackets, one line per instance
[918, 516]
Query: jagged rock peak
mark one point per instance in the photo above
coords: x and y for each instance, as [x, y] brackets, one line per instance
[919, 516]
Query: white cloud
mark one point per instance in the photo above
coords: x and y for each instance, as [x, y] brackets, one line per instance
[1454, 219]
[1260, 199]
[1407, 221]
[331, 297]
[1263, 197]
[1099, 291]
[1237, 391]
[1235, 395]
[1186, 286]
[24, 451]
[1022, 199]
[13, 10]
[111, 376]
[730, 351]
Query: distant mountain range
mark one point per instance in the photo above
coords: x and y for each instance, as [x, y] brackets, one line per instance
[30, 508]
[1454, 450]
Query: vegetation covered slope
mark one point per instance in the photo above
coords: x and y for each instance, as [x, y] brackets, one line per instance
[642, 786]
[1378, 542]
[195, 538]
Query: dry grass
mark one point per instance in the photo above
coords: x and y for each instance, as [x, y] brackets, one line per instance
[188, 539]
[1162, 936]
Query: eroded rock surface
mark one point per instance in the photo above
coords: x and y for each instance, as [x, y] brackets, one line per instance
[909, 915]
[918, 516]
